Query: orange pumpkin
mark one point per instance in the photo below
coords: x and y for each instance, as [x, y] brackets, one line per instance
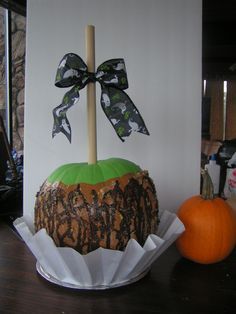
[87, 206]
[210, 226]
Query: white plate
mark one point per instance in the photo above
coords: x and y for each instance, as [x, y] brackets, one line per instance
[52, 279]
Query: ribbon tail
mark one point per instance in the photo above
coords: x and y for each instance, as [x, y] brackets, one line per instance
[121, 112]
[61, 122]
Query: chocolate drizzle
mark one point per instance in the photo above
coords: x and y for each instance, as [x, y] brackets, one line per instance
[108, 214]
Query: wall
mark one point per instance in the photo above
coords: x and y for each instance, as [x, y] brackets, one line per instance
[160, 41]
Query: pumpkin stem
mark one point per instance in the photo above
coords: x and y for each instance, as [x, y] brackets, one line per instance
[207, 186]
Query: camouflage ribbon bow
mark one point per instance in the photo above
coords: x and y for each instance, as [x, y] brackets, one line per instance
[118, 107]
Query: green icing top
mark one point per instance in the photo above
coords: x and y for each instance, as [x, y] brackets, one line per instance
[103, 170]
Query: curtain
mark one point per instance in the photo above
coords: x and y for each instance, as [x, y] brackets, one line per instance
[215, 90]
[230, 125]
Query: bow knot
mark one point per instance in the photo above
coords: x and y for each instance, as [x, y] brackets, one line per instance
[91, 77]
[118, 107]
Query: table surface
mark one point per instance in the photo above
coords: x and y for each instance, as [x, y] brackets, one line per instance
[174, 285]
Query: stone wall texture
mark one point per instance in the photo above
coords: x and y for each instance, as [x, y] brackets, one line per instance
[18, 75]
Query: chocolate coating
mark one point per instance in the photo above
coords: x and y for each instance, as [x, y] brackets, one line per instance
[108, 214]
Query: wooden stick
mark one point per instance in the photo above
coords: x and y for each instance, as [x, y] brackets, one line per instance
[91, 96]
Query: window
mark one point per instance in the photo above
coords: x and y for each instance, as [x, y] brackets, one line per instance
[12, 70]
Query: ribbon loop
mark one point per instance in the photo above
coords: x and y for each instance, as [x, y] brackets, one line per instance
[113, 73]
[118, 107]
[71, 70]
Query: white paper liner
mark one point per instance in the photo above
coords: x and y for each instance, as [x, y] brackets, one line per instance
[102, 268]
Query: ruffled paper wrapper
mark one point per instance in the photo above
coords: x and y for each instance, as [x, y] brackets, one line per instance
[102, 268]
